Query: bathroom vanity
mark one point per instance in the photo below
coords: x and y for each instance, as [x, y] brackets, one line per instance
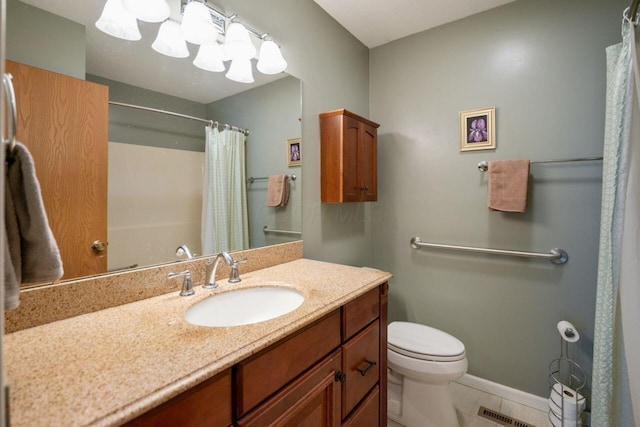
[143, 364]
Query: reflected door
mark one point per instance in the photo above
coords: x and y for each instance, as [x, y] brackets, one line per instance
[64, 123]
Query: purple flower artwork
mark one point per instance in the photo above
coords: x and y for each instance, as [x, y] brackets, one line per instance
[477, 127]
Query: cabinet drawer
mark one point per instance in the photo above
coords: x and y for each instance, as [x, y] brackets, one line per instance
[361, 364]
[262, 375]
[313, 399]
[367, 413]
[205, 405]
[359, 313]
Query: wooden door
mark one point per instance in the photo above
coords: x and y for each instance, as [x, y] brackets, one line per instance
[63, 121]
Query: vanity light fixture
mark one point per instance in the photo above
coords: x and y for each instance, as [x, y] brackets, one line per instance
[201, 25]
[210, 57]
[118, 21]
[170, 41]
[270, 60]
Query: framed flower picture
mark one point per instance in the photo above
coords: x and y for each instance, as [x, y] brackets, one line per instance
[294, 152]
[477, 129]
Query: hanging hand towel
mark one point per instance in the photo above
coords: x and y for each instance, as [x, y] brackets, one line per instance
[508, 185]
[277, 190]
[31, 253]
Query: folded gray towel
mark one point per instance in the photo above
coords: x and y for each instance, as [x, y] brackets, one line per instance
[31, 253]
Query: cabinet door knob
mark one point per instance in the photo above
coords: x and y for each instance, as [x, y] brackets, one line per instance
[370, 364]
[340, 377]
[98, 246]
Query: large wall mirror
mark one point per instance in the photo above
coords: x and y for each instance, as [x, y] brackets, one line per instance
[156, 161]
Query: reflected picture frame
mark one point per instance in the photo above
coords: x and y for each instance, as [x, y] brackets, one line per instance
[294, 152]
[477, 129]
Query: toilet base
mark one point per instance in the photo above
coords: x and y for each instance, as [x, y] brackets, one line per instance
[425, 405]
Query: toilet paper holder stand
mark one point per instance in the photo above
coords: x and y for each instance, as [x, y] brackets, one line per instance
[567, 381]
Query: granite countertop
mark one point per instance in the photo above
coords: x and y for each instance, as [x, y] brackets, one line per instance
[107, 367]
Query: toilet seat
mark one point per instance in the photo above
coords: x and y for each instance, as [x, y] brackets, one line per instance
[424, 342]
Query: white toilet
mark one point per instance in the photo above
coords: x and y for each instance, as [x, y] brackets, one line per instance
[422, 363]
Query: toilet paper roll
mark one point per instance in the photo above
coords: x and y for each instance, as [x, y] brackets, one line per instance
[566, 402]
[568, 332]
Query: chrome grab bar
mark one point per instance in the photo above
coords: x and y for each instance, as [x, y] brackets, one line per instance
[12, 127]
[266, 229]
[555, 255]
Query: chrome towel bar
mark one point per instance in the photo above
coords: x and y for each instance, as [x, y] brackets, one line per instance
[483, 166]
[555, 255]
[266, 229]
[259, 178]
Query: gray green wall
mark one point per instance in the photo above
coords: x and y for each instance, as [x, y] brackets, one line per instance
[272, 114]
[541, 63]
[334, 70]
[153, 129]
[44, 40]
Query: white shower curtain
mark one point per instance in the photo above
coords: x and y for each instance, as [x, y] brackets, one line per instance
[225, 226]
[616, 364]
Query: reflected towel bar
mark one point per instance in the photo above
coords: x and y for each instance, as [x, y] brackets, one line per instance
[266, 229]
[251, 179]
[555, 255]
[483, 166]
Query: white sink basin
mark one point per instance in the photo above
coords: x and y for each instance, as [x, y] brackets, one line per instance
[244, 306]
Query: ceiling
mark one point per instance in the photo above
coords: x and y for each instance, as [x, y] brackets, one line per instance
[376, 22]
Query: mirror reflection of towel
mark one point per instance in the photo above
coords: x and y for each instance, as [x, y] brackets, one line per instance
[31, 254]
[508, 185]
[278, 191]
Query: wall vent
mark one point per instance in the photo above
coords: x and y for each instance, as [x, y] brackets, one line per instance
[502, 419]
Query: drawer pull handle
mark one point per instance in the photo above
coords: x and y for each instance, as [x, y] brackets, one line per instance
[340, 377]
[364, 371]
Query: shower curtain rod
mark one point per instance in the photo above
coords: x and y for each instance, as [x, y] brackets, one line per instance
[184, 116]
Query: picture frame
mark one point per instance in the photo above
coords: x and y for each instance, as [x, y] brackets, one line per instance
[294, 152]
[477, 129]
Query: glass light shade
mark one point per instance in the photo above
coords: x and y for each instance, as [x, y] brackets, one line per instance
[170, 41]
[209, 57]
[148, 10]
[118, 22]
[271, 60]
[197, 26]
[237, 42]
[240, 71]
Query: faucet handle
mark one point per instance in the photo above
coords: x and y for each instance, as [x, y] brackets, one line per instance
[234, 276]
[187, 284]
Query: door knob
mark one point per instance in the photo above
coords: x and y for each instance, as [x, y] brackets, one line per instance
[98, 246]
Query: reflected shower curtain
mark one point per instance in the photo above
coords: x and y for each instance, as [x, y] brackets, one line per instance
[225, 226]
[616, 363]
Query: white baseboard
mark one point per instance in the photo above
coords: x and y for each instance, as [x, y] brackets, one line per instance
[519, 396]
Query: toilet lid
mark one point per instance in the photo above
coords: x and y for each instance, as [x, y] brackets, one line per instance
[424, 342]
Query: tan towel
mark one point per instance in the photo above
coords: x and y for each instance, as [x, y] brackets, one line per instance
[278, 191]
[31, 253]
[508, 185]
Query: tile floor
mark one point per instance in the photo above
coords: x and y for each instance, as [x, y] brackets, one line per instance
[467, 400]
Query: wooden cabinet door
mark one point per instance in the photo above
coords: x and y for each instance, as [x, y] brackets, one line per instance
[205, 405]
[351, 181]
[312, 400]
[368, 163]
[64, 122]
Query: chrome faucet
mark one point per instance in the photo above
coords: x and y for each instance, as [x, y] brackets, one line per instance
[187, 284]
[212, 268]
[184, 250]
